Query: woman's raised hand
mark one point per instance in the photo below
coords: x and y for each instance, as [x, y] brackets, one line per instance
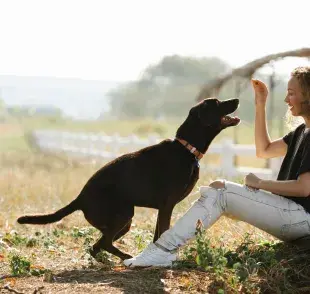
[261, 92]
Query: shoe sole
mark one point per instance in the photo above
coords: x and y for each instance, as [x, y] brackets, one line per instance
[146, 266]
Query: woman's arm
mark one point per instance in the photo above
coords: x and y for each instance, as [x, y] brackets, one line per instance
[293, 188]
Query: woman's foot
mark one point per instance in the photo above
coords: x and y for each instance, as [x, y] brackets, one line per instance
[152, 256]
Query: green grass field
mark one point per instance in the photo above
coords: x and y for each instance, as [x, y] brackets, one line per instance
[231, 257]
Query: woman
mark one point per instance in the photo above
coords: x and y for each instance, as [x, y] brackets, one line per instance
[258, 202]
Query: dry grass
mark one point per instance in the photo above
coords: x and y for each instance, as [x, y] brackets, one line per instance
[36, 183]
[58, 253]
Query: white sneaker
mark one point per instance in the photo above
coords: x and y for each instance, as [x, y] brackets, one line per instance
[151, 256]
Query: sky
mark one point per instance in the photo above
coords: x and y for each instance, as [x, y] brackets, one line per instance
[116, 40]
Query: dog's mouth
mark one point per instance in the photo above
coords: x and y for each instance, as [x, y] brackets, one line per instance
[229, 121]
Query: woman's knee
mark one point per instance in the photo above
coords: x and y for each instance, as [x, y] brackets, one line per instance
[234, 187]
[218, 184]
[207, 192]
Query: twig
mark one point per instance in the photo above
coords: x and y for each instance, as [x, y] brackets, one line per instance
[7, 287]
[6, 277]
[38, 290]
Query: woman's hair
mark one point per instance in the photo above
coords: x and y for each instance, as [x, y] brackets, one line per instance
[302, 74]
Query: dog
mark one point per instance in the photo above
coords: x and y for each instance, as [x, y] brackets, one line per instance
[158, 176]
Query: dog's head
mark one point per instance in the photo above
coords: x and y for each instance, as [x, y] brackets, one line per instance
[207, 119]
[214, 113]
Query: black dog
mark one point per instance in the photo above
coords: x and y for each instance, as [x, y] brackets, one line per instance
[158, 176]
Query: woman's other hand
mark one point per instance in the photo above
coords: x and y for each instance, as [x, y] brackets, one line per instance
[252, 181]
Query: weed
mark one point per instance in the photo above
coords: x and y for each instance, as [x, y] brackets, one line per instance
[141, 238]
[48, 242]
[14, 239]
[82, 232]
[105, 259]
[209, 257]
[57, 233]
[19, 265]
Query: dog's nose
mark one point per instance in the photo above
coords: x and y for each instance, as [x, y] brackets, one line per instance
[236, 100]
[229, 106]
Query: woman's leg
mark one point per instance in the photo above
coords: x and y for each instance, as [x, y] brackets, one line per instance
[274, 214]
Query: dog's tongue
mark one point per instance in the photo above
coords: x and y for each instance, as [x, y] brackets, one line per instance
[235, 118]
[228, 120]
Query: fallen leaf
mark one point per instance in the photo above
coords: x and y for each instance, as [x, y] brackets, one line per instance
[11, 281]
[119, 268]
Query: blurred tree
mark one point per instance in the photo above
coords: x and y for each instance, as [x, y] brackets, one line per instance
[169, 88]
[166, 88]
[3, 111]
[2, 105]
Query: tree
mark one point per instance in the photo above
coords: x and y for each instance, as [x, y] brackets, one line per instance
[3, 111]
[170, 87]
[166, 88]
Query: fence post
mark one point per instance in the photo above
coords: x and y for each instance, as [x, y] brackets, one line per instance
[275, 164]
[62, 143]
[227, 159]
[152, 139]
[115, 145]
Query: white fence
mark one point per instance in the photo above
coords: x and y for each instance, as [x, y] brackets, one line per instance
[109, 147]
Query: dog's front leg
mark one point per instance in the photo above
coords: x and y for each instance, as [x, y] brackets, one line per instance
[163, 221]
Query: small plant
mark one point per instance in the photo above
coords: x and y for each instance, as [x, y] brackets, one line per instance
[48, 242]
[87, 242]
[209, 257]
[82, 232]
[32, 242]
[14, 238]
[19, 265]
[38, 271]
[87, 246]
[105, 258]
[232, 268]
[57, 233]
[141, 238]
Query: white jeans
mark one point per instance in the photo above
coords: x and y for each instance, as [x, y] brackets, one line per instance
[276, 215]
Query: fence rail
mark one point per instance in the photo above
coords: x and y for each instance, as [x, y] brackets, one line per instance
[109, 147]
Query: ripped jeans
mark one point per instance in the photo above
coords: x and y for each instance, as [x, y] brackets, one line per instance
[274, 214]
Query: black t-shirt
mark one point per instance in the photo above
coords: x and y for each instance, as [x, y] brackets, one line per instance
[296, 160]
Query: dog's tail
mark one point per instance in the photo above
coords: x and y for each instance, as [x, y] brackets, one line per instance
[50, 218]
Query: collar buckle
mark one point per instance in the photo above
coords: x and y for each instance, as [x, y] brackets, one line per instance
[198, 155]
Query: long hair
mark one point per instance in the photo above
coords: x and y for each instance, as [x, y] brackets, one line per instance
[302, 74]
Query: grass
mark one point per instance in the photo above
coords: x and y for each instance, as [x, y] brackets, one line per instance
[231, 257]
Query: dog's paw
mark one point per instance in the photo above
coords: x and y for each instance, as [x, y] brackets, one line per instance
[93, 253]
[126, 256]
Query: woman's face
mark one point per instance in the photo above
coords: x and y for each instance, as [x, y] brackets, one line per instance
[294, 98]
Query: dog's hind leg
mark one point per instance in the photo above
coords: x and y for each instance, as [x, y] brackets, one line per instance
[120, 226]
[105, 243]
[123, 231]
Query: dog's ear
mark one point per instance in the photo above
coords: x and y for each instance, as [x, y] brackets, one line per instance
[208, 112]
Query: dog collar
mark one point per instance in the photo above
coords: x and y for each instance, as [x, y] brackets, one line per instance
[191, 149]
